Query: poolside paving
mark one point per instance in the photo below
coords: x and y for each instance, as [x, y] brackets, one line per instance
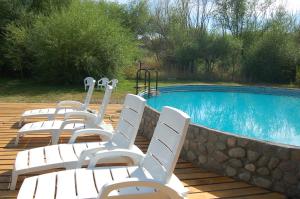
[201, 184]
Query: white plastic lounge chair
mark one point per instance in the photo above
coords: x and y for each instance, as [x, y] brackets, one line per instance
[70, 155]
[62, 107]
[86, 82]
[113, 83]
[83, 120]
[102, 83]
[152, 177]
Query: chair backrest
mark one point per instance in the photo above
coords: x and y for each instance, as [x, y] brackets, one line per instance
[166, 144]
[114, 83]
[129, 121]
[103, 81]
[88, 82]
[104, 104]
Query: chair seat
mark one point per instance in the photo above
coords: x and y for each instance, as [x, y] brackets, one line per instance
[54, 156]
[46, 126]
[46, 112]
[84, 183]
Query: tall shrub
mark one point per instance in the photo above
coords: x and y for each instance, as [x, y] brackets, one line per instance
[272, 59]
[78, 41]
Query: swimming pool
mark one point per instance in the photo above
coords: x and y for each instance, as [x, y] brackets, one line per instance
[267, 114]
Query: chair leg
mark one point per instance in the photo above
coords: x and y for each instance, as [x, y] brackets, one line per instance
[14, 179]
[54, 137]
[21, 122]
[17, 139]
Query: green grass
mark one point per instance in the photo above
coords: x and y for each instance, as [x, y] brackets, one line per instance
[15, 90]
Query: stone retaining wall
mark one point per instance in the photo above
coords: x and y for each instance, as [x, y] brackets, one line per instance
[264, 164]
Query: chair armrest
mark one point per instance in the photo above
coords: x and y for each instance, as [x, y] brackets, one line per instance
[69, 104]
[107, 135]
[70, 121]
[135, 156]
[81, 115]
[135, 182]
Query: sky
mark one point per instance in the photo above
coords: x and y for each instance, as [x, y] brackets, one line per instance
[291, 5]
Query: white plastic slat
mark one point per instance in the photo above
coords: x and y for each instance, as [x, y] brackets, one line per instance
[130, 116]
[138, 172]
[92, 145]
[86, 187]
[28, 188]
[102, 176]
[79, 147]
[126, 129]
[46, 186]
[52, 154]
[173, 119]
[66, 185]
[67, 153]
[120, 173]
[48, 124]
[154, 167]
[135, 102]
[168, 136]
[25, 127]
[21, 160]
[35, 126]
[36, 157]
[57, 124]
[161, 152]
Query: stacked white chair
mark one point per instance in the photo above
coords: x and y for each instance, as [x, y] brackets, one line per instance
[151, 177]
[71, 155]
[62, 107]
[102, 83]
[83, 120]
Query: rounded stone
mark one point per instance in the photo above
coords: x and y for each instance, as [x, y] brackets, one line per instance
[212, 137]
[202, 159]
[295, 155]
[202, 148]
[237, 152]
[290, 178]
[191, 156]
[283, 153]
[263, 171]
[262, 161]
[186, 145]
[279, 187]
[242, 142]
[193, 146]
[210, 147]
[250, 167]
[231, 142]
[252, 156]
[245, 176]
[236, 163]
[202, 139]
[273, 163]
[277, 174]
[230, 171]
[220, 156]
[287, 166]
[220, 146]
[262, 182]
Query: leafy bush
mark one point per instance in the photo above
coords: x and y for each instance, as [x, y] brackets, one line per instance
[272, 59]
[16, 51]
[79, 41]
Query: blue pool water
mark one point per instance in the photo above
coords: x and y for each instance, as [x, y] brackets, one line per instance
[265, 117]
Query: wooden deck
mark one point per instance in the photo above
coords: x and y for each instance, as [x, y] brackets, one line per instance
[201, 184]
